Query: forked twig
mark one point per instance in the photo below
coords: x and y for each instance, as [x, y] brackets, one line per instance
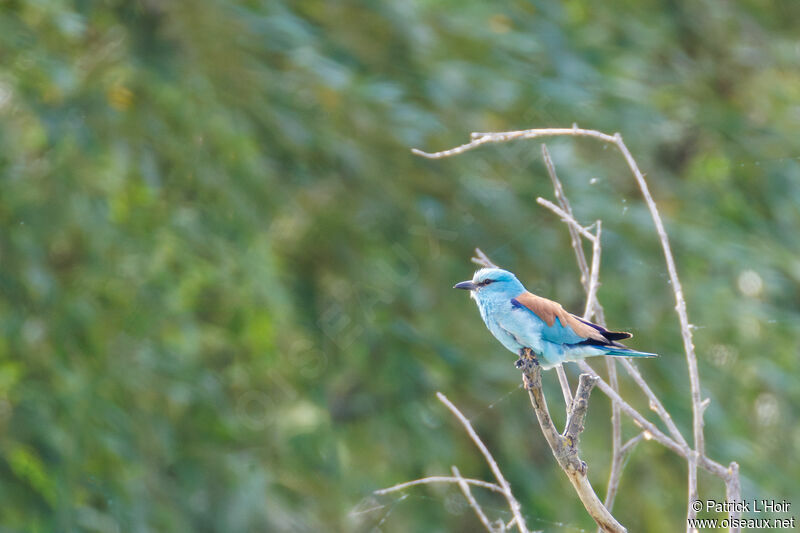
[513, 504]
[565, 447]
[471, 500]
[440, 479]
[501, 487]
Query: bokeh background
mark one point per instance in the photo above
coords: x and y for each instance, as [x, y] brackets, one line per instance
[225, 297]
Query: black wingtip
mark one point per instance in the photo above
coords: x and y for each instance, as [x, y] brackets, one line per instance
[617, 335]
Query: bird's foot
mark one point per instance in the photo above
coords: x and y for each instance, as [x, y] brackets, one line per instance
[526, 359]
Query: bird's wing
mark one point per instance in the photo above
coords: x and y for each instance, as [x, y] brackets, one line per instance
[562, 327]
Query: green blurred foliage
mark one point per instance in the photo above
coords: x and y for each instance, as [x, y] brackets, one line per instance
[225, 295]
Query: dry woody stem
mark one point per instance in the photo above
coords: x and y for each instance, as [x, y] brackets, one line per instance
[465, 490]
[513, 504]
[565, 446]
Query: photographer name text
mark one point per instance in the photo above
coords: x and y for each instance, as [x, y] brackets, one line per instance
[746, 506]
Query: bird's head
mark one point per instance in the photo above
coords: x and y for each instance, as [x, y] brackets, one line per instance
[490, 283]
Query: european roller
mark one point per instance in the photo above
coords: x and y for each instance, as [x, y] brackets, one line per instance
[520, 320]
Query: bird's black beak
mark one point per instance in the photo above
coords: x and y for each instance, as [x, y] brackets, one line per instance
[466, 285]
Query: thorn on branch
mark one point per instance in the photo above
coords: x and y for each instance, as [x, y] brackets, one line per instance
[705, 403]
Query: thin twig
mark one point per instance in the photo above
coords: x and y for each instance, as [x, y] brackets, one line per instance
[655, 403]
[574, 236]
[566, 217]
[483, 138]
[617, 454]
[440, 479]
[564, 382]
[471, 500]
[620, 457]
[482, 259]
[501, 480]
[594, 277]
[630, 443]
[691, 460]
[733, 493]
[655, 433]
[686, 329]
[576, 242]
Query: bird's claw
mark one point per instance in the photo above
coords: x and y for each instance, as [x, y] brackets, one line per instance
[526, 359]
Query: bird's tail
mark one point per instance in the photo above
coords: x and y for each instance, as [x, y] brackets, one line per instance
[625, 352]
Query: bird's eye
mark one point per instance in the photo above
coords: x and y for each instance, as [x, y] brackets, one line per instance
[486, 282]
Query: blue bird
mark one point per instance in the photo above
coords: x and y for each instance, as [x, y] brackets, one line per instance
[520, 320]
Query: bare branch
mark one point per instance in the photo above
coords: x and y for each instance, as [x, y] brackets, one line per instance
[440, 479]
[619, 459]
[512, 501]
[566, 217]
[617, 453]
[564, 382]
[565, 447]
[483, 138]
[733, 493]
[577, 414]
[655, 433]
[691, 459]
[630, 443]
[593, 307]
[715, 468]
[680, 308]
[482, 259]
[655, 403]
[574, 235]
[652, 432]
[471, 500]
[680, 303]
[594, 277]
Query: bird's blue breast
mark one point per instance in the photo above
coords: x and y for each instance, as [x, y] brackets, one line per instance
[509, 324]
